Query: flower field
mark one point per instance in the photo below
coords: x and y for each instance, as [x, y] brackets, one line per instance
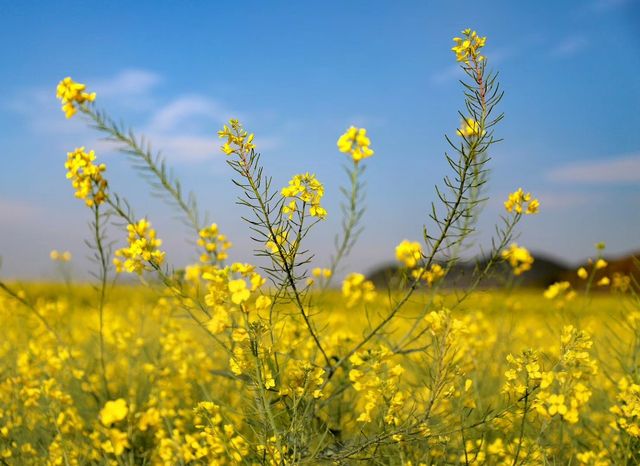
[484, 383]
[295, 359]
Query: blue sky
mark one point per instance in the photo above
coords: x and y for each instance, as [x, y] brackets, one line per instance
[299, 73]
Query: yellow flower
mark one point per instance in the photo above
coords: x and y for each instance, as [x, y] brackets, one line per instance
[60, 256]
[142, 249]
[304, 188]
[409, 253]
[604, 281]
[519, 258]
[279, 244]
[86, 177]
[355, 143]
[263, 303]
[518, 200]
[431, 276]
[357, 289]
[582, 273]
[468, 46]
[72, 94]
[116, 443]
[470, 128]
[556, 289]
[239, 291]
[318, 272]
[238, 140]
[113, 411]
[215, 245]
[601, 264]
[556, 405]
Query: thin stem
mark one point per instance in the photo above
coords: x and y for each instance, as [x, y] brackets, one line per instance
[349, 225]
[102, 293]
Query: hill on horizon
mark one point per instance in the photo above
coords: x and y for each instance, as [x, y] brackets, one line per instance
[545, 271]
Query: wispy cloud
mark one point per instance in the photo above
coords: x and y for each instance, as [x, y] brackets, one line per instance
[553, 200]
[569, 46]
[182, 128]
[173, 115]
[127, 83]
[610, 170]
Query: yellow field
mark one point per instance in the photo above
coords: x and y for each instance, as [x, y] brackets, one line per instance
[447, 397]
[269, 364]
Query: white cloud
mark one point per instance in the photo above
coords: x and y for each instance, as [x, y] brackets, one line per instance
[184, 148]
[183, 128]
[562, 200]
[611, 170]
[128, 83]
[170, 116]
[569, 46]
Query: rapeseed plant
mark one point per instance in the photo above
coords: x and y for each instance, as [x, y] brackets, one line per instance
[234, 363]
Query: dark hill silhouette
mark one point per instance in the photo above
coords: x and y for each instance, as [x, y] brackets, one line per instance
[544, 271]
[625, 265]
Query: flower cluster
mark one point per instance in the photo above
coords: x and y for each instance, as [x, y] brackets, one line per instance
[409, 253]
[320, 274]
[518, 258]
[214, 243]
[566, 389]
[430, 276]
[560, 289]
[468, 47]
[627, 408]
[279, 245]
[142, 249]
[524, 373]
[357, 289]
[72, 94]
[58, 256]
[520, 202]
[86, 177]
[304, 188]
[355, 143]
[239, 141]
[375, 376]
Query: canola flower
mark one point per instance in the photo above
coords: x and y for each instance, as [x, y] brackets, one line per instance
[306, 189]
[114, 411]
[318, 272]
[214, 244]
[238, 140]
[521, 202]
[431, 275]
[356, 289]
[467, 48]
[470, 128]
[409, 253]
[519, 258]
[211, 366]
[557, 289]
[60, 256]
[355, 142]
[86, 177]
[143, 252]
[72, 94]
